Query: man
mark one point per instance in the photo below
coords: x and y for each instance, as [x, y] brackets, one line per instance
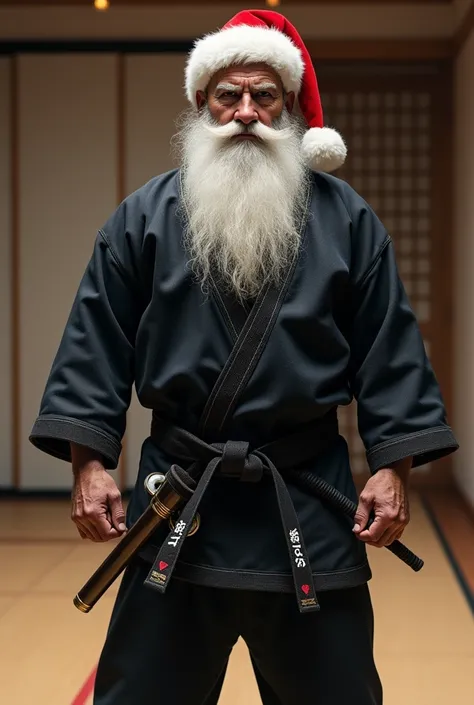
[176, 274]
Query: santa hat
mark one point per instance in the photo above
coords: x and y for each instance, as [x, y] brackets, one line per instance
[262, 36]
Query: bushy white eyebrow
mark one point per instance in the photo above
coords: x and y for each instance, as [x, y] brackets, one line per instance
[266, 86]
[237, 89]
[228, 87]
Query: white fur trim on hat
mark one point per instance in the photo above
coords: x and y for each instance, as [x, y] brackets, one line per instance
[243, 44]
[324, 149]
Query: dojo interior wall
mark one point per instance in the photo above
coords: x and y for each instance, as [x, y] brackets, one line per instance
[5, 278]
[464, 268]
[75, 162]
[78, 131]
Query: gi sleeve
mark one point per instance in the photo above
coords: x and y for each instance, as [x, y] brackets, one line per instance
[399, 404]
[88, 391]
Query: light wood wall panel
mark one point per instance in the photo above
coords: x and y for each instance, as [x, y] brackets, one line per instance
[5, 276]
[68, 187]
[395, 162]
[461, 8]
[464, 267]
[153, 101]
[154, 98]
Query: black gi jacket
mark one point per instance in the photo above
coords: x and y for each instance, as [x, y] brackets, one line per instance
[346, 330]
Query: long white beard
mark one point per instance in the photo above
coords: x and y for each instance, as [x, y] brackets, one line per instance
[242, 200]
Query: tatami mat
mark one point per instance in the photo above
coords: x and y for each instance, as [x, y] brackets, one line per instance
[424, 626]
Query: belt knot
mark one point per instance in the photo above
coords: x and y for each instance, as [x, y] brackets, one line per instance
[237, 462]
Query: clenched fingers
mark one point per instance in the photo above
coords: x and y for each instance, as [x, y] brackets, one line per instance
[385, 498]
[389, 524]
[97, 506]
[116, 515]
[96, 527]
[364, 509]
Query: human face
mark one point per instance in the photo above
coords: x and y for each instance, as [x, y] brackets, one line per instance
[243, 196]
[246, 94]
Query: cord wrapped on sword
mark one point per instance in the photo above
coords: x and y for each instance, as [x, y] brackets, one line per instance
[168, 495]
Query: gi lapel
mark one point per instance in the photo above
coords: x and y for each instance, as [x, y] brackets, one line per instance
[251, 331]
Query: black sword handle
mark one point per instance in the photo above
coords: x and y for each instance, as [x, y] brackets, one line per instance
[319, 487]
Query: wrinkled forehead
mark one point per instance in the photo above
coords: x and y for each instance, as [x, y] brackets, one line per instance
[248, 74]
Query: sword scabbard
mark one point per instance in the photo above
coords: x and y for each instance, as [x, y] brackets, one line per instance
[166, 500]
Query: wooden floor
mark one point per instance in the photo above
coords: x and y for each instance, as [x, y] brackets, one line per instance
[48, 650]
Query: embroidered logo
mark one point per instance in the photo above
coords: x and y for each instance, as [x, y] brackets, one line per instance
[178, 534]
[157, 578]
[296, 545]
[308, 601]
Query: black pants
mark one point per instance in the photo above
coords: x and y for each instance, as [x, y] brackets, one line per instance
[174, 648]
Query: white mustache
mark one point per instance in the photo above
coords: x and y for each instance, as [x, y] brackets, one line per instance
[258, 129]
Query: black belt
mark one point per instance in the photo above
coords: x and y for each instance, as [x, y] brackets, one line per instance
[235, 459]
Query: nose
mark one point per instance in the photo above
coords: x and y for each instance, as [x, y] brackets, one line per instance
[246, 111]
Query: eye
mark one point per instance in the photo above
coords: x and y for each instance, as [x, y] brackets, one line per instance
[263, 95]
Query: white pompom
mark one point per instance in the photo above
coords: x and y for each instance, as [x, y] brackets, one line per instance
[324, 149]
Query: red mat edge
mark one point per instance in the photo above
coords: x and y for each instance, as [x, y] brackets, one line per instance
[86, 689]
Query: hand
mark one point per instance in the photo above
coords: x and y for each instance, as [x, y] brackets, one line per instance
[97, 507]
[386, 496]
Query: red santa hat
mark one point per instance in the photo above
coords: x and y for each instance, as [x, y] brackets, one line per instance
[263, 36]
